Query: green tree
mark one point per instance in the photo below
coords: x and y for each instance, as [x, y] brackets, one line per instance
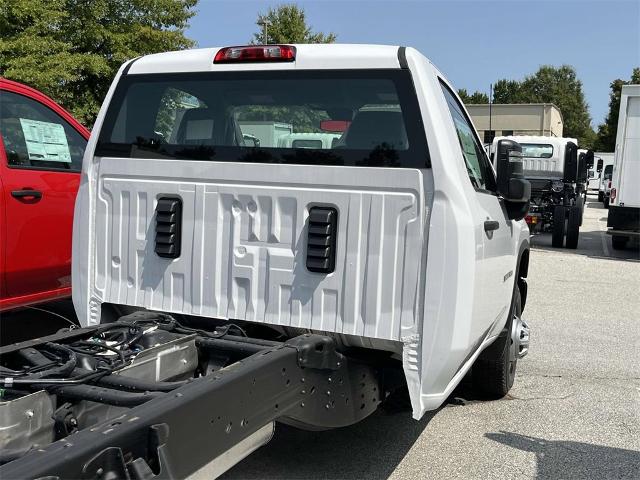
[557, 85]
[508, 91]
[71, 49]
[288, 24]
[607, 131]
[475, 97]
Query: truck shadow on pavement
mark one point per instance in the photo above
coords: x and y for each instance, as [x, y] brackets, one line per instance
[595, 204]
[370, 449]
[593, 244]
[567, 459]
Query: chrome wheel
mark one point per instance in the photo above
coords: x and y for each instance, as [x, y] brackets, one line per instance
[519, 338]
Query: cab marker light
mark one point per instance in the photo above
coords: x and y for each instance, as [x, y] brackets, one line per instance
[256, 53]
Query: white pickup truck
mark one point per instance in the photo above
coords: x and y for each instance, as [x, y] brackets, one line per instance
[224, 285]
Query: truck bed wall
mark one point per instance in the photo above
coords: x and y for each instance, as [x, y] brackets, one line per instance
[244, 244]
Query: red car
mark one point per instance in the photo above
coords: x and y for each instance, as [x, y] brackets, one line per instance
[41, 149]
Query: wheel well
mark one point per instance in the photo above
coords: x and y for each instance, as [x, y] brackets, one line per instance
[523, 271]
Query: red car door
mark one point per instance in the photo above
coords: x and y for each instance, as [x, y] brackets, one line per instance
[40, 159]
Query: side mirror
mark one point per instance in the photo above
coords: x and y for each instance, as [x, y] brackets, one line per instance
[589, 159]
[581, 176]
[570, 162]
[600, 165]
[512, 186]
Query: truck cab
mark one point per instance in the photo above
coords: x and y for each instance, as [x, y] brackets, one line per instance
[594, 172]
[605, 165]
[558, 177]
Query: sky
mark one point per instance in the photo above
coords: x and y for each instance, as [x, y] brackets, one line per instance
[474, 43]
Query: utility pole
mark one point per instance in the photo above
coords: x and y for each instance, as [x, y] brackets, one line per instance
[491, 135]
[264, 23]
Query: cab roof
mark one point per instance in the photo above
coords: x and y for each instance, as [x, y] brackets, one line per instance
[308, 56]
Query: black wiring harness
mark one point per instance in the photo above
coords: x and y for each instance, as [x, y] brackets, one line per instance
[111, 347]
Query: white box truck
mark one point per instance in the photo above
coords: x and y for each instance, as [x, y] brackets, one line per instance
[624, 203]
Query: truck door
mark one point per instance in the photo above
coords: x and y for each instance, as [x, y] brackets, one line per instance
[493, 229]
[39, 165]
[3, 232]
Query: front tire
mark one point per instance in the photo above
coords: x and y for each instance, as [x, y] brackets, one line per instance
[600, 197]
[495, 369]
[557, 235]
[606, 202]
[580, 204]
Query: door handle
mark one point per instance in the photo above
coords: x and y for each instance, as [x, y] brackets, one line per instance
[26, 193]
[491, 225]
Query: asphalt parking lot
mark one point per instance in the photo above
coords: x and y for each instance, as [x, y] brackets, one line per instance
[574, 411]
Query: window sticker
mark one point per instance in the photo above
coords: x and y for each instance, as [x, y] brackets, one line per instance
[46, 141]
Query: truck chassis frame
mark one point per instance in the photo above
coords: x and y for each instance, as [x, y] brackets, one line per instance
[544, 201]
[303, 381]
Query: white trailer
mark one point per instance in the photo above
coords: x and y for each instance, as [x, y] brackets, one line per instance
[624, 204]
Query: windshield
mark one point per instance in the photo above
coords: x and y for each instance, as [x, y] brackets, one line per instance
[355, 117]
[535, 150]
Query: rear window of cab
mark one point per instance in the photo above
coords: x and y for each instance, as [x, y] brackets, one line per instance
[321, 117]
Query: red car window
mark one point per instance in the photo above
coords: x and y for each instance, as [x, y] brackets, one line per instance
[36, 137]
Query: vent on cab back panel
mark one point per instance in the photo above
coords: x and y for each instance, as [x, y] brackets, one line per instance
[321, 239]
[168, 220]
